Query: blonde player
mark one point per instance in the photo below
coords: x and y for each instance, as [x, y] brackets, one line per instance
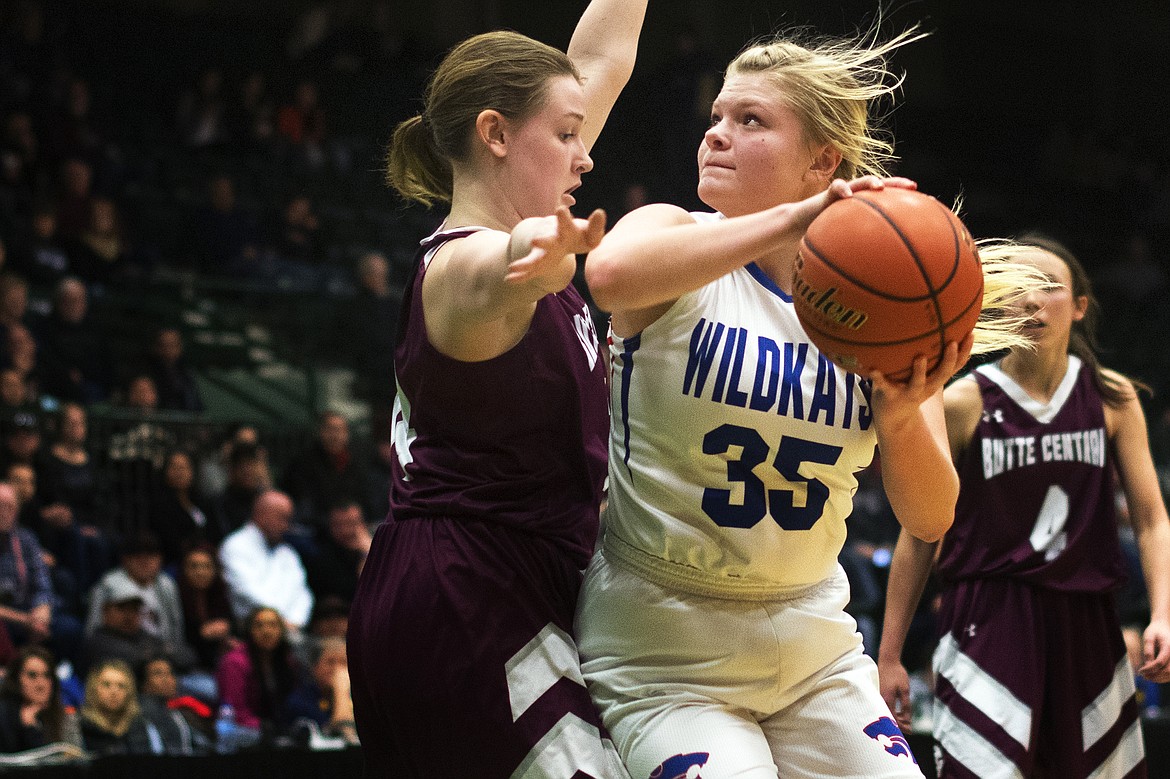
[711, 626]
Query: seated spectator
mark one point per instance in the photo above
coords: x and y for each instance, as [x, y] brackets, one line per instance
[257, 676]
[184, 723]
[74, 198]
[341, 553]
[15, 394]
[176, 515]
[324, 696]
[101, 253]
[328, 471]
[74, 356]
[120, 633]
[69, 477]
[223, 238]
[330, 618]
[247, 479]
[22, 356]
[26, 593]
[13, 305]
[301, 123]
[368, 327]
[213, 469]
[20, 438]
[261, 569]
[111, 718]
[202, 112]
[42, 257]
[207, 614]
[31, 712]
[177, 389]
[76, 558]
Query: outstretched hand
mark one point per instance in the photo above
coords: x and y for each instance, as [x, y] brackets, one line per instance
[552, 239]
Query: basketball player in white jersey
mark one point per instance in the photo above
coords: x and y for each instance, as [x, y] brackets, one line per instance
[711, 626]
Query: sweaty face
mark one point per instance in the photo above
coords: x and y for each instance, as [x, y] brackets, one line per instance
[546, 156]
[755, 155]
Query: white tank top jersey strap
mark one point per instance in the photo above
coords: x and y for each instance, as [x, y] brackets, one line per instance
[734, 445]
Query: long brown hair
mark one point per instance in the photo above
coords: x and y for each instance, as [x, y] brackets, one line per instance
[1082, 339]
[52, 717]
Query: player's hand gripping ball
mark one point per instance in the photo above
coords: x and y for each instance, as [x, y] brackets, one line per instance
[885, 276]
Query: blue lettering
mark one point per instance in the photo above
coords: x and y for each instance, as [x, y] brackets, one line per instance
[864, 414]
[825, 394]
[725, 364]
[767, 369]
[791, 395]
[736, 396]
[704, 344]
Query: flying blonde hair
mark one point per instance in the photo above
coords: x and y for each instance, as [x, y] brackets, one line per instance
[1006, 282]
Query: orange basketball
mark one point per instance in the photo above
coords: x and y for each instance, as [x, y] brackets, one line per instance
[885, 276]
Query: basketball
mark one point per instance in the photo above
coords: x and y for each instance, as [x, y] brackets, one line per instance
[885, 276]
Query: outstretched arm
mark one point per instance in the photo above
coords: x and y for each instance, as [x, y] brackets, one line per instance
[604, 47]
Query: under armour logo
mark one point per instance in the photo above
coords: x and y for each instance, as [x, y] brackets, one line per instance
[970, 630]
[681, 766]
[996, 415]
[587, 335]
[885, 732]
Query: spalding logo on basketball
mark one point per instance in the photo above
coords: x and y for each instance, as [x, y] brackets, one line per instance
[884, 276]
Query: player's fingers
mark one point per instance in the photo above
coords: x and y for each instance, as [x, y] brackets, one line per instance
[866, 182]
[595, 229]
[901, 182]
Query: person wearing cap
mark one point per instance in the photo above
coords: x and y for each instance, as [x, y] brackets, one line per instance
[121, 634]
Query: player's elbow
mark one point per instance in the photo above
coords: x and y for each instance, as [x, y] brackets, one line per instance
[603, 276]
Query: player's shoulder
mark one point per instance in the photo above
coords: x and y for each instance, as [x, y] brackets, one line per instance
[963, 392]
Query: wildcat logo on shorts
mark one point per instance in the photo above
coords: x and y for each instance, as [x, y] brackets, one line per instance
[681, 766]
[885, 732]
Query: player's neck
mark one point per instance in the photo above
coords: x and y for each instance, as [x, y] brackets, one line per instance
[1039, 373]
[476, 203]
[778, 266]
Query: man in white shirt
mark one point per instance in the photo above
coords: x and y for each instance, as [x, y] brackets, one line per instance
[263, 570]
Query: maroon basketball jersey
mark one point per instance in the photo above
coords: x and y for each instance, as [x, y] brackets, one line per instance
[1036, 502]
[519, 439]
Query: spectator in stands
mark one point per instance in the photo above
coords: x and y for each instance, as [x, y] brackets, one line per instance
[31, 712]
[216, 462]
[20, 162]
[224, 238]
[144, 440]
[26, 592]
[111, 719]
[257, 676]
[261, 569]
[252, 119]
[368, 329]
[121, 634]
[207, 614]
[330, 617]
[74, 199]
[323, 697]
[68, 475]
[176, 514]
[100, 254]
[247, 477]
[20, 432]
[42, 257]
[140, 571]
[329, 470]
[13, 304]
[185, 724]
[341, 553]
[301, 123]
[177, 389]
[74, 358]
[201, 111]
[14, 393]
[21, 350]
[296, 237]
[77, 555]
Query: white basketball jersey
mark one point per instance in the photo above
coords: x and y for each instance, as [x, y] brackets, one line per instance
[733, 445]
